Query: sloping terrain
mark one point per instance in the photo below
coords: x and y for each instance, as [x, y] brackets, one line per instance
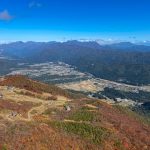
[35, 116]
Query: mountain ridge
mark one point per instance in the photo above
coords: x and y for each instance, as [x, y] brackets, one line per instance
[34, 119]
[129, 63]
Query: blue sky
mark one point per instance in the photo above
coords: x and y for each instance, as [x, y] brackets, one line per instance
[46, 20]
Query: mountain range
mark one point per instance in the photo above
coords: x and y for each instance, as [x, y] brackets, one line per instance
[125, 61]
[27, 49]
[35, 115]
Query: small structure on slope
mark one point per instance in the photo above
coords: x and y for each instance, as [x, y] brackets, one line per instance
[14, 114]
[10, 88]
[67, 108]
[1, 96]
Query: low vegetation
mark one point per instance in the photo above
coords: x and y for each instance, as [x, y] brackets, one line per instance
[36, 95]
[50, 111]
[92, 133]
[118, 144]
[23, 82]
[84, 114]
[128, 111]
[89, 124]
[4, 147]
[20, 107]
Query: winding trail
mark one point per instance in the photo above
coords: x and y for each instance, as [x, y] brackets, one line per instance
[42, 105]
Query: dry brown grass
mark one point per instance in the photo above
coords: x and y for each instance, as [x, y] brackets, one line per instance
[21, 107]
[23, 82]
[40, 132]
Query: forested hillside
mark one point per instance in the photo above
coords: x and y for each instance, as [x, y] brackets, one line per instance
[123, 62]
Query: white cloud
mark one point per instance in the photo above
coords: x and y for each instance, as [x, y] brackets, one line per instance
[4, 15]
[35, 4]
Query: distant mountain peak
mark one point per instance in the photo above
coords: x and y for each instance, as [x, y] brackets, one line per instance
[123, 44]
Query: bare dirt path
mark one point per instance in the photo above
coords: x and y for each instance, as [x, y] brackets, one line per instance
[41, 104]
